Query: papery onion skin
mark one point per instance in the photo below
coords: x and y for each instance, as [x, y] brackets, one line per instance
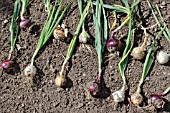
[118, 96]
[84, 37]
[30, 70]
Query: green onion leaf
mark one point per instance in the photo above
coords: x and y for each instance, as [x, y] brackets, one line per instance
[14, 27]
[51, 23]
[149, 60]
[73, 41]
[153, 13]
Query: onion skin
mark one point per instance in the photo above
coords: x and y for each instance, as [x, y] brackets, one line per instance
[30, 70]
[24, 23]
[83, 37]
[113, 45]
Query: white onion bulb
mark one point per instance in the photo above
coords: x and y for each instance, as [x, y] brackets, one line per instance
[162, 57]
[30, 70]
[84, 37]
[118, 96]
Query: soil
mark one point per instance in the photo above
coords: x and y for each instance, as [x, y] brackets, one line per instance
[19, 96]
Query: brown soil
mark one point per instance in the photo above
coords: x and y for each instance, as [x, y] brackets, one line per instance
[17, 96]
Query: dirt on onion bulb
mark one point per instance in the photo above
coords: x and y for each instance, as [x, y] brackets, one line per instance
[138, 53]
[162, 57]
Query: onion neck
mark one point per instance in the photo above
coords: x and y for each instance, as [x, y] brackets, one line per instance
[62, 68]
[138, 89]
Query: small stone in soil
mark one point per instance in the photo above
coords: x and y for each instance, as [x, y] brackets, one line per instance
[5, 21]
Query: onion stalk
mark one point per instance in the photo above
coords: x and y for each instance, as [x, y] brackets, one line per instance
[24, 22]
[166, 32]
[137, 98]
[61, 79]
[84, 36]
[100, 42]
[8, 64]
[52, 21]
[119, 95]
[139, 52]
[47, 6]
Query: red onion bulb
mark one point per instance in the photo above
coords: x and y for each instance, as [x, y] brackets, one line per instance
[157, 101]
[113, 45]
[95, 89]
[24, 23]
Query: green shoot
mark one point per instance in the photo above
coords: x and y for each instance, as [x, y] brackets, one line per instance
[166, 91]
[166, 32]
[84, 36]
[24, 6]
[116, 7]
[166, 29]
[100, 42]
[47, 5]
[14, 28]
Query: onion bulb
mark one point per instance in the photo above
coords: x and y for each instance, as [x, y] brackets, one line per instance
[24, 23]
[138, 53]
[118, 96]
[59, 34]
[162, 57]
[136, 98]
[95, 89]
[84, 37]
[7, 65]
[30, 70]
[157, 101]
[113, 45]
[61, 80]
